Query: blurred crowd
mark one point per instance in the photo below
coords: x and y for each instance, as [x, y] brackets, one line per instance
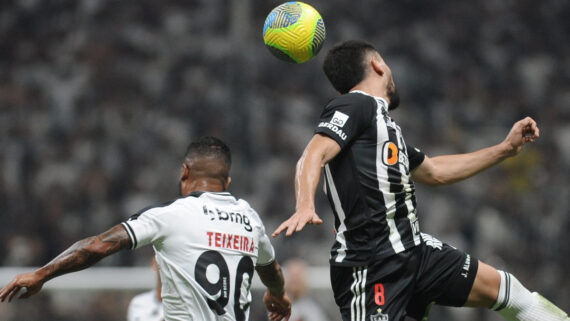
[99, 99]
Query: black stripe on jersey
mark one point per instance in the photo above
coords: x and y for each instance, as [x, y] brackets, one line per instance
[397, 187]
[131, 235]
[395, 178]
[415, 159]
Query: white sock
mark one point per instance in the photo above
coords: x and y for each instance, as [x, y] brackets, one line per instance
[516, 303]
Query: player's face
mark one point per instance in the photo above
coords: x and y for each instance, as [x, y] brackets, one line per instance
[393, 95]
[391, 90]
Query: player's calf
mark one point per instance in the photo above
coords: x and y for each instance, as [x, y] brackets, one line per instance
[517, 303]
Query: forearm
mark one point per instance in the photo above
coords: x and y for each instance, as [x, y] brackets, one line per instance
[320, 150]
[85, 253]
[272, 277]
[307, 177]
[454, 168]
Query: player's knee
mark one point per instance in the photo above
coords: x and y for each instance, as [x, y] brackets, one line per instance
[485, 288]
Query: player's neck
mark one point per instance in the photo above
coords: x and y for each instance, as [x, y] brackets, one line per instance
[203, 185]
[372, 89]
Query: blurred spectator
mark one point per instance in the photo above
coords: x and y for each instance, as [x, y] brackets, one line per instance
[147, 306]
[304, 307]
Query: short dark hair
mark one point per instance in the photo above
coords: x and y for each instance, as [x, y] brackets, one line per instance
[345, 64]
[210, 146]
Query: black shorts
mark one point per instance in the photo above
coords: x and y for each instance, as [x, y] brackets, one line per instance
[405, 284]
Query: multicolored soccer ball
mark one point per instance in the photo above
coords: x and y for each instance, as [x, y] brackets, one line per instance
[294, 32]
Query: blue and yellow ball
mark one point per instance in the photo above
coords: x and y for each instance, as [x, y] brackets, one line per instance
[294, 32]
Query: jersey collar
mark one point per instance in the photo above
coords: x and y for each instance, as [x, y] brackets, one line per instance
[222, 194]
[381, 101]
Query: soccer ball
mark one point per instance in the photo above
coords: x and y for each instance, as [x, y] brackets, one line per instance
[294, 32]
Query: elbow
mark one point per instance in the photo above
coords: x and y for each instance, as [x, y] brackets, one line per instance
[438, 181]
[299, 164]
[92, 247]
[432, 179]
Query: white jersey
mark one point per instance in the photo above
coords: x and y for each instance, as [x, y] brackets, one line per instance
[145, 307]
[207, 245]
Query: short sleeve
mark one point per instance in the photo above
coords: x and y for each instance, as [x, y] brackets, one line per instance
[266, 253]
[346, 117]
[415, 157]
[144, 228]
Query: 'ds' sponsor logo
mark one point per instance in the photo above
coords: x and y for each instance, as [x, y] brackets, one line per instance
[390, 154]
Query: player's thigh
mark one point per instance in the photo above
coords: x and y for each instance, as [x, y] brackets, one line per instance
[485, 288]
[377, 292]
[446, 277]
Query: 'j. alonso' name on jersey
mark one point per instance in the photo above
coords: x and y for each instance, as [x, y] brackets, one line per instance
[224, 216]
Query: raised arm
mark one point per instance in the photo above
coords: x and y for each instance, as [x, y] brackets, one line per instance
[79, 256]
[448, 169]
[320, 150]
[275, 298]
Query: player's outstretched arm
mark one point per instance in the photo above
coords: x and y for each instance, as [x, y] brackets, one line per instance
[448, 169]
[79, 256]
[320, 150]
[275, 299]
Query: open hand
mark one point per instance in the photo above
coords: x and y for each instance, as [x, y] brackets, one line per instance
[29, 283]
[297, 222]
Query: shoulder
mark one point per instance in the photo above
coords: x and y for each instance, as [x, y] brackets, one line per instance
[352, 99]
[252, 213]
[165, 207]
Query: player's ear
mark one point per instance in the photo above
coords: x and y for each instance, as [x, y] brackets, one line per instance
[184, 172]
[377, 66]
[228, 181]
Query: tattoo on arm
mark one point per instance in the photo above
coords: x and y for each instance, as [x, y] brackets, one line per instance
[87, 252]
[272, 277]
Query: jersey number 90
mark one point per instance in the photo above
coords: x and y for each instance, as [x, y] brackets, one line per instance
[222, 287]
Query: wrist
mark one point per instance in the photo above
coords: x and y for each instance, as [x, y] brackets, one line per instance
[276, 292]
[306, 206]
[42, 274]
[506, 149]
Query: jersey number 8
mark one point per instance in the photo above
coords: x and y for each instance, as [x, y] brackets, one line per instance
[222, 288]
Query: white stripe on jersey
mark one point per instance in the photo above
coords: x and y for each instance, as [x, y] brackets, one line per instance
[406, 181]
[363, 294]
[358, 289]
[341, 252]
[384, 184]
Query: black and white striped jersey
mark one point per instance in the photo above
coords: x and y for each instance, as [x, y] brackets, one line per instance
[368, 183]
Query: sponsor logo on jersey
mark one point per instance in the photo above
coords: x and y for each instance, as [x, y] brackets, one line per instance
[231, 241]
[392, 155]
[233, 217]
[379, 316]
[335, 129]
[339, 119]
